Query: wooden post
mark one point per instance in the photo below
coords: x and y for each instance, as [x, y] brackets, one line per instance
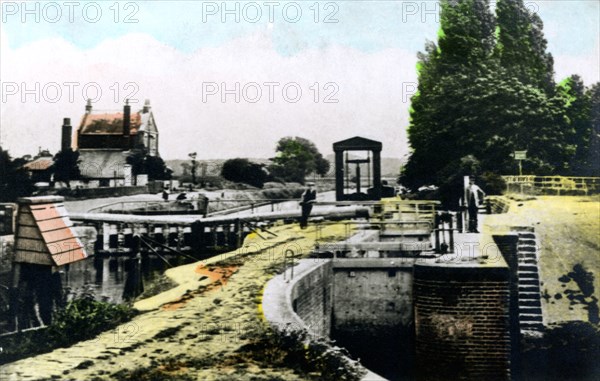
[239, 232]
[13, 305]
[197, 237]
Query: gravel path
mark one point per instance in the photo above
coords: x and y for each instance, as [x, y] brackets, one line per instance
[205, 320]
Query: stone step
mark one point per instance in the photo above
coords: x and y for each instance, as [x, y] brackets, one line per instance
[527, 256]
[533, 318]
[526, 235]
[528, 261]
[529, 298]
[531, 289]
[525, 294]
[526, 326]
[526, 248]
[526, 241]
[522, 229]
[529, 310]
[530, 303]
[528, 275]
[531, 268]
[529, 282]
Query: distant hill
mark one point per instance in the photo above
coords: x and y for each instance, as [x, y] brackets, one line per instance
[390, 167]
[213, 167]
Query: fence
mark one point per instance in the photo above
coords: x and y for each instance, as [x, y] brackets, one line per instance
[552, 184]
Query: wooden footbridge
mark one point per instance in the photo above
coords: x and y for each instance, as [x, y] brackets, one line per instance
[125, 233]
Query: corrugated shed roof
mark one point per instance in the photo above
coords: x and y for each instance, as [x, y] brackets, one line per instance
[102, 163]
[39, 164]
[108, 123]
[44, 235]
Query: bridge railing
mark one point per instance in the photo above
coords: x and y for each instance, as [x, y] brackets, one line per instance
[552, 184]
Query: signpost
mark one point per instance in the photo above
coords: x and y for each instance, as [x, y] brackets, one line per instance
[520, 155]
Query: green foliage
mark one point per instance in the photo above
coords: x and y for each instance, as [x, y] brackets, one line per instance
[81, 319]
[593, 158]
[466, 35]
[296, 158]
[296, 349]
[84, 318]
[142, 163]
[521, 46]
[485, 100]
[14, 180]
[492, 183]
[244, 171]
[66, 166]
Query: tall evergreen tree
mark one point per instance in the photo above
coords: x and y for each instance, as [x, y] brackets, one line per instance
[578, 133]
[461, 57]
[471, 103]
[521, 46]
[594, 150]
[466, 34]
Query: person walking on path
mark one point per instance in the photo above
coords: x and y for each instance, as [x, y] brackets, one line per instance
[473, 202]
[309, 197]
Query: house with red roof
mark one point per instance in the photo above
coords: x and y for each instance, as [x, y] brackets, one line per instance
[104, 139]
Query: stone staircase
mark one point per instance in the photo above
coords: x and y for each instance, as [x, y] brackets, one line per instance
[530, 304]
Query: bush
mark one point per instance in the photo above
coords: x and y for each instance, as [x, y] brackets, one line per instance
[244, 171]
[492, 183]
[81, 319]
[295, 349]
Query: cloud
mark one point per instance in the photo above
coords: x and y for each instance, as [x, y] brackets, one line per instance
[367, 88]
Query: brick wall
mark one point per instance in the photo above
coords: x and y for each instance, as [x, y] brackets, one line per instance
[312, 299]
[462, 322]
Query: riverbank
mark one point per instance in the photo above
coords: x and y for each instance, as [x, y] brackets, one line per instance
[199, 330]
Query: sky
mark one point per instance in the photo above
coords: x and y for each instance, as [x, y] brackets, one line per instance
[229, 79]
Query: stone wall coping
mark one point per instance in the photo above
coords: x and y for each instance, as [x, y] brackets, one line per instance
[374, 263]
[471, 250]
[40, 200]
[277, 302]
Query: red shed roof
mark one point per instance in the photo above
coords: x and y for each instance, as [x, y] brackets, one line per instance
[44, 234]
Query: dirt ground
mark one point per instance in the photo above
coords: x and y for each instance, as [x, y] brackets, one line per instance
[193, 331]
[568, 233]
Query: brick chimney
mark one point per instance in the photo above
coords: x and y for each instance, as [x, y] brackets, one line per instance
[67, 132]
[147, 106]
[126, 118]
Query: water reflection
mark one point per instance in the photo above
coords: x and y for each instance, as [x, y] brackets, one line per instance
[115, 278]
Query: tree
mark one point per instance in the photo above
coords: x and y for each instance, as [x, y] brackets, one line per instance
[296, 158]
[66, 166]
[521, 46]
[244, 171]
[465, 44]
[594, 151]
[14, 180]
[476, 101]
[142, 163]
[578, 134]
[466, 34]
[157, 169]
